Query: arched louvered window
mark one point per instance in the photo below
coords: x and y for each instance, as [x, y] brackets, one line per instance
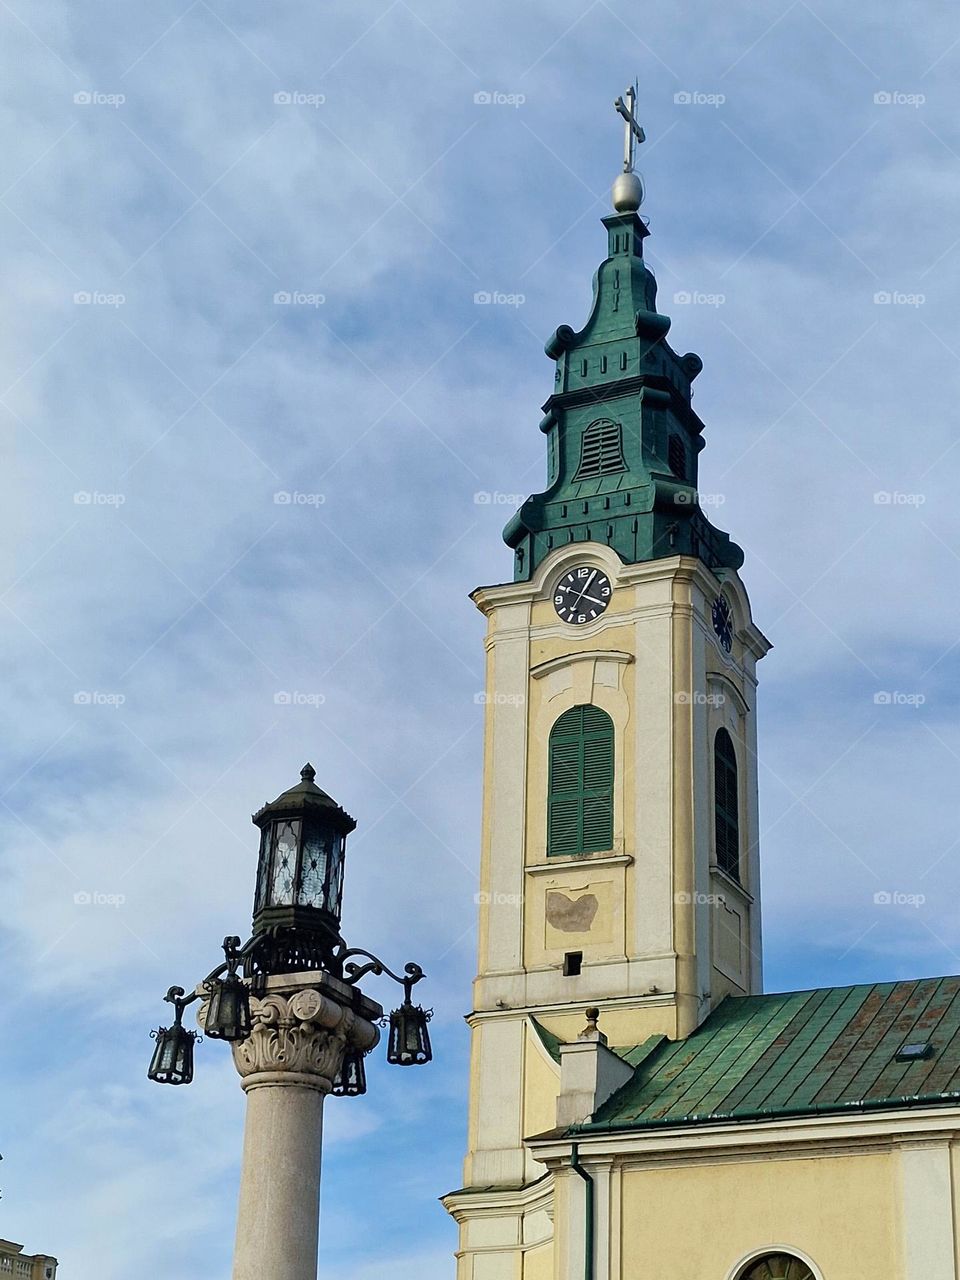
[580, 785]
[726, 800]
[677, 456]
[601, 450]
[777, 1266]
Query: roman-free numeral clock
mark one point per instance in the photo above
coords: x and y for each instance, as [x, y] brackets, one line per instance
[582, 595]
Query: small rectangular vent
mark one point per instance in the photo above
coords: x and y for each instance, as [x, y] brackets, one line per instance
[572, 964]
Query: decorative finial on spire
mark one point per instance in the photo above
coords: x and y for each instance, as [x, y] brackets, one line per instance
[308, 772]
[628, 188]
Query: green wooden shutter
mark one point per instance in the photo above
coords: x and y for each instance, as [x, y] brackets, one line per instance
[726, 804]
[580, 786]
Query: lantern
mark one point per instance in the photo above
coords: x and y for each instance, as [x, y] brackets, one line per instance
[228, 1013]
[296, 918]
[351, 1080]
[172, 1061]
[409, 1042]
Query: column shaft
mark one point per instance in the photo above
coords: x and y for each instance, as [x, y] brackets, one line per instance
[277, 1219]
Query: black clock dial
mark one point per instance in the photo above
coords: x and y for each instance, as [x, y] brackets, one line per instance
[723, 622]
[581, 595]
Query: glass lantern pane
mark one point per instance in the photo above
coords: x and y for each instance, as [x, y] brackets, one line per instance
[336, 893]
[263, 871]
[317, 848]
[283, 869]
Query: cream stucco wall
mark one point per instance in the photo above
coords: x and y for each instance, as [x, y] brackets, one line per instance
[857, 1196]
[662, 935]
[839, 1211]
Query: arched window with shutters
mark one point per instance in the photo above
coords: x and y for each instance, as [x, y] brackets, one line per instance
[726, 801]
[580, 784]
[777, 1266]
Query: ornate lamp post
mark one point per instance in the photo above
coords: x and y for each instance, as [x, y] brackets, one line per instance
[298, 1025]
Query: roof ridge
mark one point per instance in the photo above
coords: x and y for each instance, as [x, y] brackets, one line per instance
[848, 986]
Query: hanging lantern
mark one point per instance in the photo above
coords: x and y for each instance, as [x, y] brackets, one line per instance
[172, 1061]
[296, 918]
[409, 1041]
[228, 1013]
[351, 1080]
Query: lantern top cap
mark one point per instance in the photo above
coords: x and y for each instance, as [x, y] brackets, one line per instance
[305, 797]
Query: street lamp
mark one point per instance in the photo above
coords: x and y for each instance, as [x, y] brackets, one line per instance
[296, 929]
[288, 1002]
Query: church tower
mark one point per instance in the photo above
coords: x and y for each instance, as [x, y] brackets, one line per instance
[619, 862]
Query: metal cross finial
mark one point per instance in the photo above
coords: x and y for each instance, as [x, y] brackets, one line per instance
[632, 128]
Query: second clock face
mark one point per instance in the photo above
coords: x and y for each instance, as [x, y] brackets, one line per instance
[723, 622]
[581, 595]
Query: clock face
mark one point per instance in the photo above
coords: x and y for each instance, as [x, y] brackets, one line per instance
[581, 595]
[723, 622]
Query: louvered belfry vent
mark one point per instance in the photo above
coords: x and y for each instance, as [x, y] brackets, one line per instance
[601, 450]
[580, 785]
[677, 456]
[726, 804]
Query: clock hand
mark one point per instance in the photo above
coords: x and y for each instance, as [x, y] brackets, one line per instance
[586, 588]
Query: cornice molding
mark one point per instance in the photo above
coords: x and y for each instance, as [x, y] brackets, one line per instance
[583, 655]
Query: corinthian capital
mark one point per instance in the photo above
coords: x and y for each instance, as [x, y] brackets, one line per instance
[299, 1037]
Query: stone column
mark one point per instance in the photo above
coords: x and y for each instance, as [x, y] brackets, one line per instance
[301, 1025]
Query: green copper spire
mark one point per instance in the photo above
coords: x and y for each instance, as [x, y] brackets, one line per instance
[622, 436]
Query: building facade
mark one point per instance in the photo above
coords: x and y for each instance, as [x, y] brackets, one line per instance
[637, 1106]
[17, 1265]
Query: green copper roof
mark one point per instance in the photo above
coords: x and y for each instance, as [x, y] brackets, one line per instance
[549, 1041]
[622, 436]
[804, 1052]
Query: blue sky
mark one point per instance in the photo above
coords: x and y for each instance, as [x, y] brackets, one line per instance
[803, 175]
